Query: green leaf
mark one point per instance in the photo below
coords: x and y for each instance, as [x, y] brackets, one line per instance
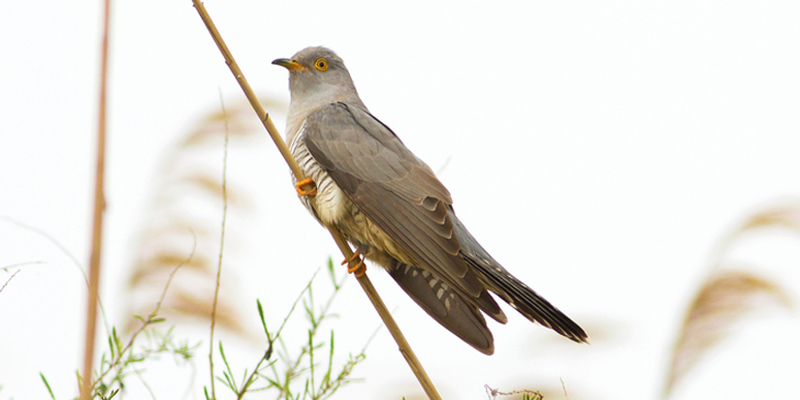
[263, 321]
[229, 373]
[327, 378]
[49, 390]
[116, 341]
[332, 273]
[111, 347]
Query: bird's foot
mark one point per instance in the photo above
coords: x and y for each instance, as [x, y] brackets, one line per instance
[355, 264]
[306, 187]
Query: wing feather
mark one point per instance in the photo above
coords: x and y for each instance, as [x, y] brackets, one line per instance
[395, 189]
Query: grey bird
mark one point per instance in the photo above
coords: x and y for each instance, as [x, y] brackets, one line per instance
[389, 204]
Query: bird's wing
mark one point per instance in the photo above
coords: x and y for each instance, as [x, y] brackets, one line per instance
[395, 189]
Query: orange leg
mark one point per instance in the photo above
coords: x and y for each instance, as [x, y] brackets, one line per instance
[303, 192]
[359, 269]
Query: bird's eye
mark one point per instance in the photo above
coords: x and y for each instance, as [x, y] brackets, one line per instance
[321, 64]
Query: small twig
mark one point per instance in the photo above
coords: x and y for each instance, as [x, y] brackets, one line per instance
[444, 165]
[172, 275]
[22, 264]
[144, 383]
[294, 365]
[294, 305]
[271, 340]
[366, 284]
[9, 280]
[252, 377]
[97, 227]
[493, 393]
[67, 253]
[151, 319]
[221, 248]
[564, 386]
[52, 240]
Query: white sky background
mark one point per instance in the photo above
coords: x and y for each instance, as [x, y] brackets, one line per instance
[626, 138]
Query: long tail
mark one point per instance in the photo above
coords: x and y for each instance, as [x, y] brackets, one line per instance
[512, 290]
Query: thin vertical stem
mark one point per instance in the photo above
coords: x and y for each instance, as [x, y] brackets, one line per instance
[99, 207]
[221, 248]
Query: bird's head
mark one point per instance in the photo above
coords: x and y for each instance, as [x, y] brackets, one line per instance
[318, 75]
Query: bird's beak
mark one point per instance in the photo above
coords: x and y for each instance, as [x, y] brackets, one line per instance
[288, 64]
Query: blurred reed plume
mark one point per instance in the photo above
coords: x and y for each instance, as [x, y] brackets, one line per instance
[785, 216]
[183, 219]
[729, 294]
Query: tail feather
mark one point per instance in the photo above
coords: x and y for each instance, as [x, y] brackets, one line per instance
[528, 303]
[512, 290]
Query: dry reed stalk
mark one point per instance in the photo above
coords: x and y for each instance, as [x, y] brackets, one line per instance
[366, 284]
[97, 229]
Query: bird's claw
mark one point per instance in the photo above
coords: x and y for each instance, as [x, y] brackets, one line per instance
[359, 268]
[301, 191]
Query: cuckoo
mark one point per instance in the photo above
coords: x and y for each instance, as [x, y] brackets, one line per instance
[390, 205]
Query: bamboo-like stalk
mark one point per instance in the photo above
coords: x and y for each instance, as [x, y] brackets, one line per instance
[388, 320]
[97, 229]
[366, 284]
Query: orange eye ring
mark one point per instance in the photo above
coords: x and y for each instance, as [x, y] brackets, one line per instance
[321, 64]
